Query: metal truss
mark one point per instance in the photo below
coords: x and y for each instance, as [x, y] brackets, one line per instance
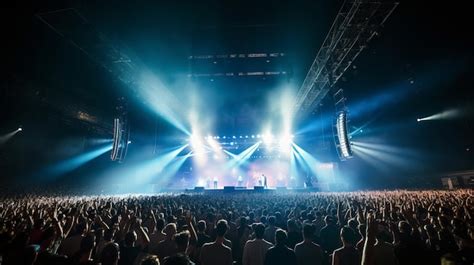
[357, 22]
[119, 61]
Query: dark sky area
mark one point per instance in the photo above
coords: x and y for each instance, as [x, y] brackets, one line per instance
[420, 64]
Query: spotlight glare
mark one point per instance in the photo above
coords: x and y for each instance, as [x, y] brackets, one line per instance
[20, 129]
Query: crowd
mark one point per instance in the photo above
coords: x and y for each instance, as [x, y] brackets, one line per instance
[369, 228]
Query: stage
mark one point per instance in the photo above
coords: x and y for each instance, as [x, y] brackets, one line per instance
[235, 189]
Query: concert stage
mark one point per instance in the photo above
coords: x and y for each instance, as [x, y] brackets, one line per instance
[241, 190]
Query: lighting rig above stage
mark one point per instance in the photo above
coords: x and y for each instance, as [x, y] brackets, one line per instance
[235, 142]
[357, 22]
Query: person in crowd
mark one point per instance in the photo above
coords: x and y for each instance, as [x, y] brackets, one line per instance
[167, 247]
[72, 244]
[270, 230]
[182, 244]
[406, 227]
[157, 236]
[110, 254]
[330, 235]
[106, 239]
[294, 234]
[307, 252]
[347, 254]
[255, 249]
[280, 253]
[216, 252]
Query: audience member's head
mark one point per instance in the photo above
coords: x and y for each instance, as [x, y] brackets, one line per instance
[259, 230]
[221, 228]
[347, 236]
[271, 220]
[160, 224]
[308, 231]
[182, 241]
[404, 227]
[178, 259]
[170, 230]
[151, 260]
[280, 237]
[201, 226]
[110, 254]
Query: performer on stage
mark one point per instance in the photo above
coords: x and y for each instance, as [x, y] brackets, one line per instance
[265, 181]
[239, 181]
[309, 181]
[292, 182]
[208, 183]
[215, 182]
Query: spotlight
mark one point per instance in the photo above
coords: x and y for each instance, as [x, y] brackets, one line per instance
[233, 137]
[223, 137]
[20, 129]
[129, 142]
[418, 120]
[240, 137]
[267, 138]
[253, 136]
[246, 136]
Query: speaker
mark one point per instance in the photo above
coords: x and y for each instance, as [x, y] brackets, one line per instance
[199, 189]
[258, 188]
[229, 188]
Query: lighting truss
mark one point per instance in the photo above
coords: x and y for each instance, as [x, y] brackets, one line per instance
[357, 22]
[119, 61]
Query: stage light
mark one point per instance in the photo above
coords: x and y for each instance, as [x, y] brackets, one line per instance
[246, 136]
[253, 136]
[267, 139]
[233, 137]
[445, 115]
[20, 129]
[240, 137]
[129, 142]
[223, 137]
[258, 135]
